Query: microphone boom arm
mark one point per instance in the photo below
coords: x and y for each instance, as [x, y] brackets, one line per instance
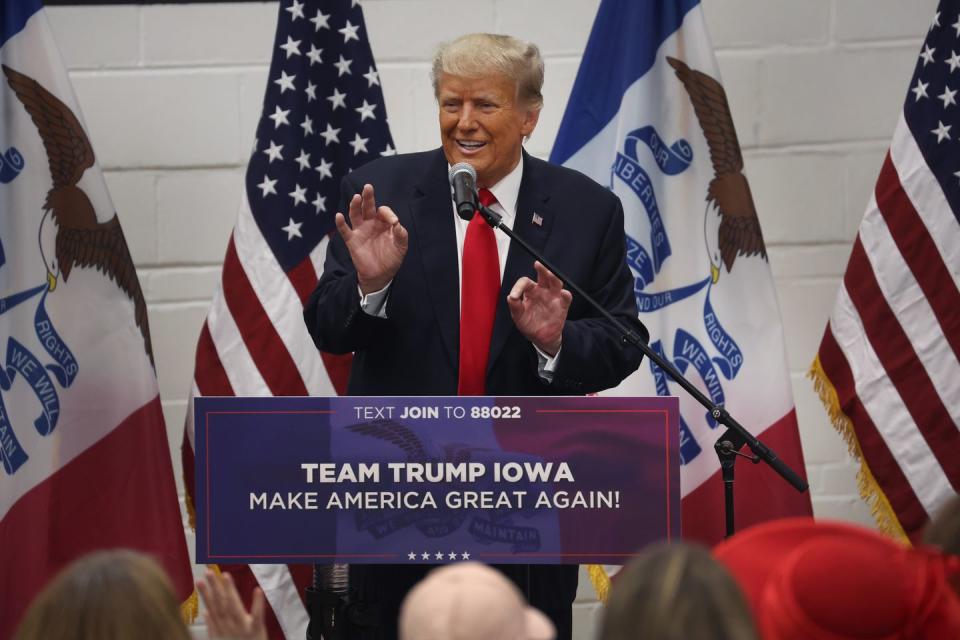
[630, 336]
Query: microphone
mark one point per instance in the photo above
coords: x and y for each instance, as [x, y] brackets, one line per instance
[463, 179]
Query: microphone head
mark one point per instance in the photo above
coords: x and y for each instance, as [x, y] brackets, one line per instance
[462, 167]
[463, 183]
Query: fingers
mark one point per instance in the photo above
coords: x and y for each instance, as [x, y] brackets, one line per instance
[545, 277]
[355, 211]
[231, 597]
[257, 611]
[368, 205]
[345, 231]
[388, 217]
[520, 287]
[208, 593]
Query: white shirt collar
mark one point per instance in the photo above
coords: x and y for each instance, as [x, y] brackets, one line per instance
[507, 191]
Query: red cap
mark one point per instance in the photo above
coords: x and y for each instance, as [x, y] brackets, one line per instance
[835, 581]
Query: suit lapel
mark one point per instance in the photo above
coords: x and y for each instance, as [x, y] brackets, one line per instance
[533, 199]
[432, 214]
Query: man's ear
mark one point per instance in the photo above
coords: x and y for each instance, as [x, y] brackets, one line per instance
[530, 119]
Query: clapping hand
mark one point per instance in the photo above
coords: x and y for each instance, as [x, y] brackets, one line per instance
[227, 618]
[539, 309]
[376, 240]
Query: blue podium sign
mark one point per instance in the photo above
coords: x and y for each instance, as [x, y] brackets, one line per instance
[434, 479]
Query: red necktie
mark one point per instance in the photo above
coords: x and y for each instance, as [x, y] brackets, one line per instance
[479, 289]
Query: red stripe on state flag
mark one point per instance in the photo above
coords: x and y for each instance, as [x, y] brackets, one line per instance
[901, 363]
[919, 251]
[876, 455]
[263, 342]
[117, 493]
[760, 494]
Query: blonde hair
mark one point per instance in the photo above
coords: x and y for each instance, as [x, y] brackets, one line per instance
[676, 592]
[107, 595]
[478, 54]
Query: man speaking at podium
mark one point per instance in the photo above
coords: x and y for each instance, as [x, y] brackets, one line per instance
[431, 304]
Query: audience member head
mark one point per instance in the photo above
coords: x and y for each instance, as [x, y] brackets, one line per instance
[470, 601]
[943, 532]
[836, 581]
[107, 595]
[676, 592]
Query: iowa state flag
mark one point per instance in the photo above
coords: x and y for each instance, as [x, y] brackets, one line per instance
[84, 458]
[649, 118]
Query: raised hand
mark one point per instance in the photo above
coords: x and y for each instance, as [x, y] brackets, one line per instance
[376, 240]
[226, 618]
[539, 309]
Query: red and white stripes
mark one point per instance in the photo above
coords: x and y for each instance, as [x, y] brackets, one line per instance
[255, 343]
[891, 350]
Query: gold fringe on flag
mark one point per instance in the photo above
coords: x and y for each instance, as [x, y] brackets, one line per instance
[188, 500]
[601, 581]
[190, 608]
[870, 490]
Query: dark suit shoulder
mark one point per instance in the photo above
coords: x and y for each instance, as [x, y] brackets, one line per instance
[395, 171]
[567, 184]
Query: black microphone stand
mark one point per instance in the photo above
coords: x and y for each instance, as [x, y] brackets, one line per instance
[729, 444]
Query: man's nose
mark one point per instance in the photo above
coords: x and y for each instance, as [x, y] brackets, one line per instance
[467, 122]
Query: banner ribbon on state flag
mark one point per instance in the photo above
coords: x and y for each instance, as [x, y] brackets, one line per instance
[888, 367]
[83, 446]
[649, 118]
[323, 115]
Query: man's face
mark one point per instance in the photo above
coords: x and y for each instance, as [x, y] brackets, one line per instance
[482, 123]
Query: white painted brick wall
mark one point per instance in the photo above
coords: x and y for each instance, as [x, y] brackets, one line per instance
[172, 95]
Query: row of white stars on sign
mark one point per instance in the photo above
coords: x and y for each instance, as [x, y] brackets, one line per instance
[439, 555]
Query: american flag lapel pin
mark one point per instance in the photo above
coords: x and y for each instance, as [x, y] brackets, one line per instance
[537, 219]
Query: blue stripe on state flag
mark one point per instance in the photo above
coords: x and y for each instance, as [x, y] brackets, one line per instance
[614, 59]
[323, 115]
[14, 16]
[931, 106]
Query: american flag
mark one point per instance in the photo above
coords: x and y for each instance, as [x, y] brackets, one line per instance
[888, 368]
[323, 115]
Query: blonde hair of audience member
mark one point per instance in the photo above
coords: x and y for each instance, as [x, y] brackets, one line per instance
[481, 54]
[107, 595]
[676, 592]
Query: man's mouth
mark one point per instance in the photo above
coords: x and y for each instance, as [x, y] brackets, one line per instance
[470, 146]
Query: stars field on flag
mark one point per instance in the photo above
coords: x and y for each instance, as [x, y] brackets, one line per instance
[323, 115]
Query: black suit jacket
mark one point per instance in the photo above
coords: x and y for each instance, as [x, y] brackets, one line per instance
[414, 351]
